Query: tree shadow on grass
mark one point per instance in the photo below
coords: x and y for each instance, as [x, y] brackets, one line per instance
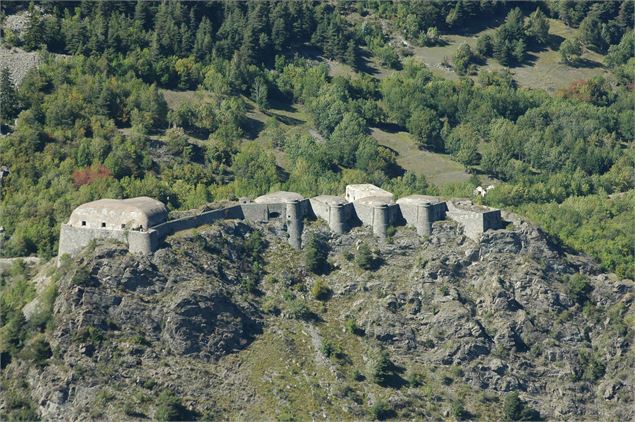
[390, 127]
[394, 379]
[586, 64]
[363, 63]
[253, 127]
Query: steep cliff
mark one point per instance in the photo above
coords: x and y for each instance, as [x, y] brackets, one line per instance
[228, 322]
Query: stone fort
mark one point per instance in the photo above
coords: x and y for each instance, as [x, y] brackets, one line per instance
[142, 223]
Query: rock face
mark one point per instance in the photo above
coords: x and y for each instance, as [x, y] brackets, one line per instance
[224, 317]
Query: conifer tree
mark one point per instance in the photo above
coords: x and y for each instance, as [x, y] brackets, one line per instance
[8, 97]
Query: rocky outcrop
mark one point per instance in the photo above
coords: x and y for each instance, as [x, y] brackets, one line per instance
[480, 318]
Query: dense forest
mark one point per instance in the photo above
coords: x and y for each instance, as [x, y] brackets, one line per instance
[91, 120]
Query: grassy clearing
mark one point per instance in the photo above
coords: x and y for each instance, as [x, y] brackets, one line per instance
[439, 169]
[543, 69]
[176, 98]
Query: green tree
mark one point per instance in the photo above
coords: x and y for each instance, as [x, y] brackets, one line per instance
[537, 27]
[316, 253]
[34, 31]
[260, 93]
[382, 369]
[203, 39]
[579, 287]
[570, 50]
[425, 128]
[484, 46]
[509, 39]
[467, 153]
[515, 409]
[592, 34]
[620, 54]
[345, 139]
[8, 98]
[364, 258]
[177, 143]
[255, 170]
[463, 59]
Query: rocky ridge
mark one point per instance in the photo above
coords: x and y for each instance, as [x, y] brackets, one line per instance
[224, 318]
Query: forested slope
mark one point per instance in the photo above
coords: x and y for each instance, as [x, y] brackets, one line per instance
[93, 122]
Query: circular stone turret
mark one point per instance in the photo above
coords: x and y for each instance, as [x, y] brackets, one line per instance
[421, 211]
[332, 209]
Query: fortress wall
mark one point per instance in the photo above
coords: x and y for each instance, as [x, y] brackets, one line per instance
[320, 209]
[472, 222]
[364, 213]
[409, 213]
[235, 212]
[348, 213]
[143, 242]
[191, 222]
[255, 212]
[74, 239]
[290, 209]
[337, 216]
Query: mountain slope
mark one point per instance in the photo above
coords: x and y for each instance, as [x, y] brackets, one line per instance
[229, 320]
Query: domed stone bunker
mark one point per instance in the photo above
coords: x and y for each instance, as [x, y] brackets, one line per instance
[134, 213]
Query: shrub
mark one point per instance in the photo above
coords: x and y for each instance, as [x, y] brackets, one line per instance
[169, 408]
[380, 411]
[37, 350]
[81, 277]
[327, 348]
[298, 309]
[91, 174]
[415, 379]
[579, 287]
[248, 284]
[315, 255]
[515, 409]
[320, 290]
[352, 327]
[592, 366]
[457, 409]
[358, 376]
[383, 370]
[19, 406]
[365, 258]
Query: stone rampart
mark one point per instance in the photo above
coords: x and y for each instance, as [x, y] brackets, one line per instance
[74, 239]
[474, 219]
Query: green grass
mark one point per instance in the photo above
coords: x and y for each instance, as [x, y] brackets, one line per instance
[439, 169]
[543, 69]
[176, 98]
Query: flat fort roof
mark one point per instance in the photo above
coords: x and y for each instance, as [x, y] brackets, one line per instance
[375, 200]
[359, 191]
[419, 199]
[278, 198]
[468, 206]
[330, 199]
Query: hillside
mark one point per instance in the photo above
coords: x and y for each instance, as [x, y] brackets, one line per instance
[227, 322]
[196, 104]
